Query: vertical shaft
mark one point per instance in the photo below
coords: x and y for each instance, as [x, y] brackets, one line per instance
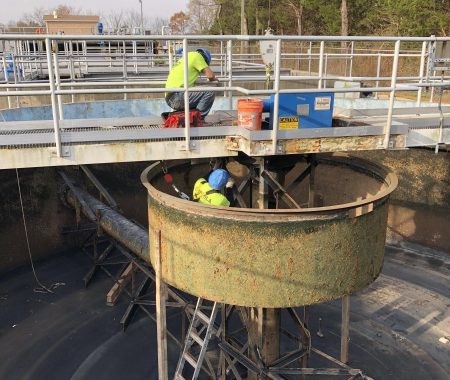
[265, 323]
[161, 327]
[345, 339]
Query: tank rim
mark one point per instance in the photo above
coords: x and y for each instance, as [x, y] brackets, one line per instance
[383, 174]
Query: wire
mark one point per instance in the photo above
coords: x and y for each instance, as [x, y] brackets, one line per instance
[42, 287]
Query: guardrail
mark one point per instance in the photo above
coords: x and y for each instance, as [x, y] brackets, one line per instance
[54, 61]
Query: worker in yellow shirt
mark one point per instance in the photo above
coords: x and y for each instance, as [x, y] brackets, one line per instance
[198, 62]
[210, 192]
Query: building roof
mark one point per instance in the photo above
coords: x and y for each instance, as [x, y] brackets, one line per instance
[77, 18]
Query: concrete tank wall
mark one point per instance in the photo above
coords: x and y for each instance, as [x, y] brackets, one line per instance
[420, 207]
[99, 109]
[418, 211]
[46, 215]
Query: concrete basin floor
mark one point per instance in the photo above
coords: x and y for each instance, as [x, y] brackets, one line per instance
[396, 324]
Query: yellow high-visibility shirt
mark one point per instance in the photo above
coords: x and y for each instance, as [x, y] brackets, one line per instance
[196, 64]
[205, 194]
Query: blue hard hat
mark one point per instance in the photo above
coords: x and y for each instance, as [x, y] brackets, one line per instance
[206, 54]
[218, 179]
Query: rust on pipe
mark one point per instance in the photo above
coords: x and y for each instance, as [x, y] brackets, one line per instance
[129, 234]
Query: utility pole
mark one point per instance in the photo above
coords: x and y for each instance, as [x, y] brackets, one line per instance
[142, 19]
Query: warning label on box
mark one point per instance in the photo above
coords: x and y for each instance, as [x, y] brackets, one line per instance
[322, 103]
[289, 122]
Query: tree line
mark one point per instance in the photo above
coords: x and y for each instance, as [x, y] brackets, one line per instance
[285, 17]
[334, 17]
[322, 17]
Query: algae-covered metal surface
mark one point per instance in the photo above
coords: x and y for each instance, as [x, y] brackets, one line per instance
[269, 258]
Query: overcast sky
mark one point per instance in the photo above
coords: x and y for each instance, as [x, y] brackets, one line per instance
[12, 10]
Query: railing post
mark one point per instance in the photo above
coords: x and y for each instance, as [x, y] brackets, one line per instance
[14, 63]
[378, 72]
[309, 60]
[5, 73]
[432, 87]
[109, 53]
[276, 101]
[51, 82]
[169, 51]
[135, 56]
[387, 130]
[85, 56]
[29, 61]
[352, 51]
[322, 48]
[421, 69]
[187, 121]
[72, 74]
[221, 58]
[431, 47]
[35, 55]
[230, 71]
[125, 68]
[58, 82]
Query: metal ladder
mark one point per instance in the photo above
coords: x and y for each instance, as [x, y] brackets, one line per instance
[200, 324]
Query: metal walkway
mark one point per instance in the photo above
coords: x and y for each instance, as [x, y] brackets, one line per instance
[298, 64]
[93, 141]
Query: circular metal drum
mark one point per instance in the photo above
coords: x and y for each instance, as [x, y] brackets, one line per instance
[274, 258]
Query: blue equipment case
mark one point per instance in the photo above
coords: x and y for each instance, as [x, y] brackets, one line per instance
[311, 110]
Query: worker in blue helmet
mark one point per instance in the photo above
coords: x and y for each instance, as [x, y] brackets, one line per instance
[210, 192]
[198, 62]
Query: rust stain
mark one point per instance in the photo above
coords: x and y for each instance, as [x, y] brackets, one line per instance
[290, 262]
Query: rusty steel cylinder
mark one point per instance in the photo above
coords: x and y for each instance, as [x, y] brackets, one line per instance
[274, 258]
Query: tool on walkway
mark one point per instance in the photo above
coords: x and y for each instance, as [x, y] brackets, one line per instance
[199, 334]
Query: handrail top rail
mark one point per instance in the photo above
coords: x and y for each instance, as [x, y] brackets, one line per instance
[129, 37]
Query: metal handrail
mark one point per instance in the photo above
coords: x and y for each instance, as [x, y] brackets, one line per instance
[80, 57]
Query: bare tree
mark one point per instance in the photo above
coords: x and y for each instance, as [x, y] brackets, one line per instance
[35, 17]
[155, 24]
[114, 20]
[64, 9]
[132, 20]
[202, 14]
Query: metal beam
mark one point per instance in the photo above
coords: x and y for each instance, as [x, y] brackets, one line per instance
[161, 320]
[345, 339]
[99, 186]
[273, 183]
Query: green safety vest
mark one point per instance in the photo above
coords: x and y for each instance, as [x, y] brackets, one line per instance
[203, 193]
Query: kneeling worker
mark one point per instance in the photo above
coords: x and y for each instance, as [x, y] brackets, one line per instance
[209, 192]
[198, 62]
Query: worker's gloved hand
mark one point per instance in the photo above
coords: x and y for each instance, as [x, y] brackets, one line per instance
[230, 183]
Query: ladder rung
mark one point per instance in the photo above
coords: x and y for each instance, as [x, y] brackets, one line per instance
[190, 359]
[197, 338]
[203, 317]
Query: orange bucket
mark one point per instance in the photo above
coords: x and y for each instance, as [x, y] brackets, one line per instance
[250, 113]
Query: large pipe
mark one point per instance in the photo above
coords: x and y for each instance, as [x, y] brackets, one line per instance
[127, 233]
